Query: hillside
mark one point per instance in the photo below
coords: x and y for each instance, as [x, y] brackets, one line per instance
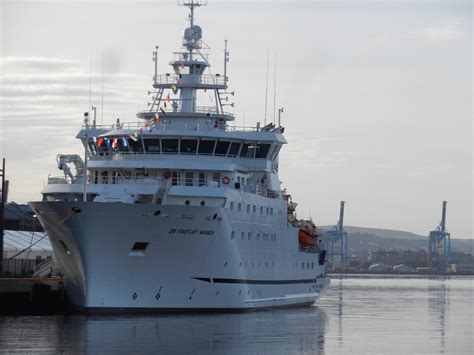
[363, 240]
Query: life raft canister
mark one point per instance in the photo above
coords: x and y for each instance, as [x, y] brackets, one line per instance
[225, 180]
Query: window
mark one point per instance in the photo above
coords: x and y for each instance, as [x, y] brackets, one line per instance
[152, 146]
[248, 150]
[188, 146]
[174, 178]
[249, 236]
[248, 208]
[239, 207]
[302, 266]
[232, 235]
[105, 176]
[169, 145]
[312, 265]
[262, 150]
[136, 145]
[202, 178]
[268, 211]
[261, 209]
[222, 148]
[234, 149]
[307, 266]
[275, 152]
[206, 147]
[215, 177]
[271, 211]
[138, 249]
[188, 180]
[242, 236]
[231, 206]
[254, 209]
[258, 236]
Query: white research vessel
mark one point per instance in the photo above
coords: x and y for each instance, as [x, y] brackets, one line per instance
[181, 211]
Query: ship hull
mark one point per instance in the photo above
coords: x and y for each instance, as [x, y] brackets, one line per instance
[188, 259]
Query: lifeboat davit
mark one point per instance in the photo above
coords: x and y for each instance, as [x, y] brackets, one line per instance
[306, 239]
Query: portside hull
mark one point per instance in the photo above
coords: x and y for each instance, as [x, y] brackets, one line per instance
[192, 262]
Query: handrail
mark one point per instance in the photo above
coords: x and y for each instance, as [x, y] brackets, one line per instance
[189, 79]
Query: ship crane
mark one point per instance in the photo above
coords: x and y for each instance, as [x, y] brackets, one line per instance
[336, 241]
[440, 239]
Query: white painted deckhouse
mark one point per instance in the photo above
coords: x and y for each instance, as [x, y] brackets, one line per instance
[181, 211]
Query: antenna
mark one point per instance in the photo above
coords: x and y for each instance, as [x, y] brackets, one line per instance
[280, 111]
[274, 88]
[266, 90]
[155, 60]
[102, 103]
[90, 79]
[226, 60]
[95, 117]
[192, 4]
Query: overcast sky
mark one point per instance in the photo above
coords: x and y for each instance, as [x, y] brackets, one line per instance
[377, 94]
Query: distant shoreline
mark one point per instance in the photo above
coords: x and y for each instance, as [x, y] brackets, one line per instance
[365, 273]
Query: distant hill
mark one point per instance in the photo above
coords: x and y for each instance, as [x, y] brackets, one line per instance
[363, 240]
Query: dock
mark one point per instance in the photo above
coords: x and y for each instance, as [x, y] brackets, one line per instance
[31, 296]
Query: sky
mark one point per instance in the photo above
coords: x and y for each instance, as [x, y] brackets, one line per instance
[377, 95]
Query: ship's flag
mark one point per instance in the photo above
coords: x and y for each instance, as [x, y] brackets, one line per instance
[100, 141]
[107, 143]
[94, 139]
[173, 87]
[147, 124]
[157, 118]
[168, 97]
[124, 142]
[134, 136]
[114, 143]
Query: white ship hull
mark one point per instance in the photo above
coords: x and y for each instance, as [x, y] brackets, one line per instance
[193, 261]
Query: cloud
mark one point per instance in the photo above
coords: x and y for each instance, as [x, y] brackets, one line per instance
[9, 64]
[444, 32]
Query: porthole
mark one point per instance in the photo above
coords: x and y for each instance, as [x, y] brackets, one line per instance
[157, 213]
[187, 202]
[203, 203]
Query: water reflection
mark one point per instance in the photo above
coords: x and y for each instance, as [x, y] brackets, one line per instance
[275, 331]
[363, 315]
[438, 307]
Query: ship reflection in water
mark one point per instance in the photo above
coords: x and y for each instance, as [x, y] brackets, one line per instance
[357, 315]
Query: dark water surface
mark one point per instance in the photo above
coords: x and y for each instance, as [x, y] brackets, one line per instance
[358, 315]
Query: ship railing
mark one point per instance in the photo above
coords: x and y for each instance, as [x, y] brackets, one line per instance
[189, 79]
[52, 180]
[261, 191]
[183, 56]
[152, 180]
[122, 125]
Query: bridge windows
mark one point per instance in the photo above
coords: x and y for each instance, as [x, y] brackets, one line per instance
[170, 145]
[206, 147]
[188, 146]
[152, 146]
[234, 149]
[182, 145]
[221, 148]
[262, 150]
[136, 145]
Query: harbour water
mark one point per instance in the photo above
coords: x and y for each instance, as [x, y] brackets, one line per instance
[358, 315]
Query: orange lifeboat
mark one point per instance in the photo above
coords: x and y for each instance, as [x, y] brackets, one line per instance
[306, 239]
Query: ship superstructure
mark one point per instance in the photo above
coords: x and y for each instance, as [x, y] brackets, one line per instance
[182, 210]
